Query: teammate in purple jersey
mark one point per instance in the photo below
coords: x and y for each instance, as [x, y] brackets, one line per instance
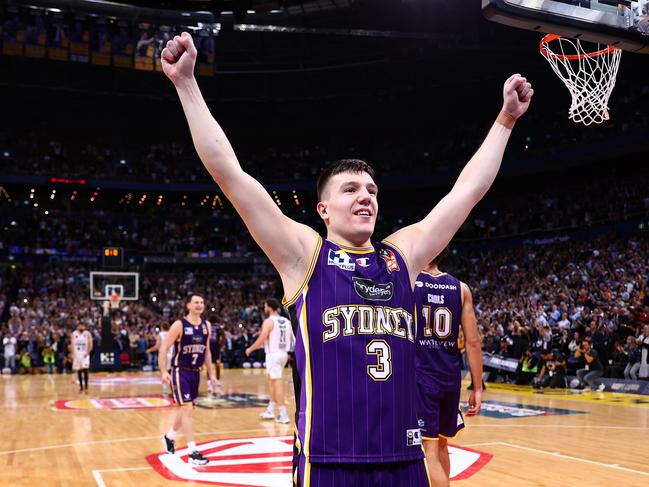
[190, 337]
[443, 305]
[355, 299]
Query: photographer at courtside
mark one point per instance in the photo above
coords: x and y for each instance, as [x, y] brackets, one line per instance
[593, 368]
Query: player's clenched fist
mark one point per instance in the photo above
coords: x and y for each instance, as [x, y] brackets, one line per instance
[179, 57]
[517, 94]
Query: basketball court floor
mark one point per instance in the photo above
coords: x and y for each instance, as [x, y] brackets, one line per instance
[54, 436]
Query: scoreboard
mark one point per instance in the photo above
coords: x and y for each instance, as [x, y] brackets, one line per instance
[112, 257]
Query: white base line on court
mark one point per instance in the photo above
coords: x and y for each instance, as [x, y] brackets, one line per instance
[561, 455]
[100, 480]
[120, 440]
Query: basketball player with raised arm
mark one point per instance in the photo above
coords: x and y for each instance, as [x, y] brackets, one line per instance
[276, 337]
[351, 301]
[443, 305]
[189, 336]
[81, 345]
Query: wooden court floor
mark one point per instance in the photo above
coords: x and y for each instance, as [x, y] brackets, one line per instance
[52, 435]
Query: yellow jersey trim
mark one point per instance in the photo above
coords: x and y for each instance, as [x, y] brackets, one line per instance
[307, 277]
[354, 250]
[430, 484]
[451, 437]
[306, 447]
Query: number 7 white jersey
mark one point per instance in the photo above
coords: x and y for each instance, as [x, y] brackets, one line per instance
[280, 337]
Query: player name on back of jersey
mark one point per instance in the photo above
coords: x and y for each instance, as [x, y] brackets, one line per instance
[366, 319]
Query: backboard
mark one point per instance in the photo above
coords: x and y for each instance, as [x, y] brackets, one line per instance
[103, 284]
[620, 23]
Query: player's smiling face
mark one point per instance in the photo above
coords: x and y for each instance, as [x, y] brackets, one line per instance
[349, 208]
[196, 305]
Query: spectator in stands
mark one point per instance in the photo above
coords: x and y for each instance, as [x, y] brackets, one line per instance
[564, 323]
[643, 344]
[633, 355]
[9, 342]
[593, 369]
[617, 362]
[25, 363]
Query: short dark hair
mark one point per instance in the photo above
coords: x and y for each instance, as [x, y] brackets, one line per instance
[340, 166]
[192, 296]
[272, 303]
[440, 256]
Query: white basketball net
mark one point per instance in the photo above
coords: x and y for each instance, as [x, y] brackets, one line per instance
[589, 76]
[114, 300]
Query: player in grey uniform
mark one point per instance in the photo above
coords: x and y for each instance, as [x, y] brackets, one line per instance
[276, 337]
[348, 206]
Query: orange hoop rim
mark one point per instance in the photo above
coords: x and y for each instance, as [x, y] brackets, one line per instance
[570, 57]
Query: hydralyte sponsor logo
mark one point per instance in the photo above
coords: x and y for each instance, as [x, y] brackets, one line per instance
[368, 289]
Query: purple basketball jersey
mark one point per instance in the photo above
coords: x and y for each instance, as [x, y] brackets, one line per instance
[355, 357]
[189, 349]
[438, 302]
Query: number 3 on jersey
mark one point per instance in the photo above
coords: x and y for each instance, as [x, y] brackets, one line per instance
[442, 320]
[383, 368]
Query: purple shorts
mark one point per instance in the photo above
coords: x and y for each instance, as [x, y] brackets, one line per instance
[439, 412]
[215, 351]
[184, 385]
[391, 474]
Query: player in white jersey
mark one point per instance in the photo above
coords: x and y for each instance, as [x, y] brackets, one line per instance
[276, 337]
[81, 346]
[162, 336]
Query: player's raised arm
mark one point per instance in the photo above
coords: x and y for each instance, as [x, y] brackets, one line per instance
[473, 349]
[422, 241]
[287, 244]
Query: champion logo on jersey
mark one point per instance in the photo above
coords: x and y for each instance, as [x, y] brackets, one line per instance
[189, 330]
[363, 261]
[390, 260]
[421, 423]
[340, 259]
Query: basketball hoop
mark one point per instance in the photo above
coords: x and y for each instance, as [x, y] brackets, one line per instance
[114, 299]
[589, 76]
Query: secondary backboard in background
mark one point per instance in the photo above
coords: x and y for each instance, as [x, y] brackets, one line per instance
[102, 284]
[620, 23]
